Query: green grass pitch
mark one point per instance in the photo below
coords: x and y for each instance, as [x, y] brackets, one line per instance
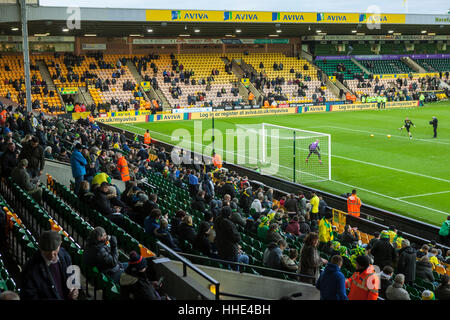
[409, 177]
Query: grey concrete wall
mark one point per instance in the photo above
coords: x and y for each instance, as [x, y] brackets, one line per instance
[251, 285]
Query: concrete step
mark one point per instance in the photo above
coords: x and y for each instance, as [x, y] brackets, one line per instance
[48, 79]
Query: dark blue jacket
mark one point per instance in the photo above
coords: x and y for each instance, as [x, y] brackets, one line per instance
[37, 281]
[331, 283]
[78, 163]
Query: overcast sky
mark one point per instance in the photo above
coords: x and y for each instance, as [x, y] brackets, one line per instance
[386, 6]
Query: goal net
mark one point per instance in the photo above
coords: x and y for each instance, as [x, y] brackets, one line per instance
[296, 155]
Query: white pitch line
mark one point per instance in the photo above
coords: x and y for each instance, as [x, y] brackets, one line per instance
[393, 135]
[422, 195]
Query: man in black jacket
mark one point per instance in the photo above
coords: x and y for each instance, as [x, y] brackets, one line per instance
[44, 276]
[407, 262]
[34, 153]
[383, 252]
[106, 258]
[104, 206]
[434, 123]
[228, 238]
[8, 160]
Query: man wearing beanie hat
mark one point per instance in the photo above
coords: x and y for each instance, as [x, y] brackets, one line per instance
[134, 283]
[364, 283]
[44, 276]
[383, 252]
[98, 254]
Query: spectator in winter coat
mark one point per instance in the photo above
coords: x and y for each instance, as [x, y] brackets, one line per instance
[273, 254]
[293, 227]
[186, 230]
[443, 290]
[202, 242]
[310, 261]
[134, 283]
[257, 204]
[106, 258]
[322, 207]
[407, 262]
[34, 153]
[289, 262]
[383, 252]
[304, 227]
[176, 221]
[78, 164]
[227, 236]
[331, 282]
[291, 204]
[273, 235]
[20, 176]
[8, 160]
[44, 276]
[199, 202]
[424, 269]
[349, 236]
[396, 290]
[237, 218]
[385, 280]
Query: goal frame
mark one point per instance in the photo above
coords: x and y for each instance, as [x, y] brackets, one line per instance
[314, 134]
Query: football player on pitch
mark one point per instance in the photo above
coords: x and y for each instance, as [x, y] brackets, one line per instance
[407, 126]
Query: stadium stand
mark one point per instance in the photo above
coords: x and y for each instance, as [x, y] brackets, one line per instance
[435, 65]
[390, 66]
[347, 67]
[190, 80]
[13, 83]
[296, 81]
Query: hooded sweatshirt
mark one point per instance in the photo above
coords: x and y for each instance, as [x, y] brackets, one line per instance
[272, 256]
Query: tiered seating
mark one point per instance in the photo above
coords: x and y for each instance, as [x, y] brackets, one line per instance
[99, 97]
[435, 65]
[127, 240]
[115, 90]
[330, 67]
[40, 220]
[388, 83]
[202, 64]
[288, 89]
[386, 66]
[17, 72]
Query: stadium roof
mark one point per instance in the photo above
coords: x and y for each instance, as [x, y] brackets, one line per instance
[110, 22]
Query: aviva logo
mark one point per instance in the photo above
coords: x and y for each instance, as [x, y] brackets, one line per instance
[374, 18]
[176, 15]
[276, 16]
[228, 15]
[331, 17]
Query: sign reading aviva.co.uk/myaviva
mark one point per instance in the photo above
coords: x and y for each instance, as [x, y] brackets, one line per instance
[271, 16]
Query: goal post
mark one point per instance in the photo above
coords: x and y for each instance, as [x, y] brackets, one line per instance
[285, 152]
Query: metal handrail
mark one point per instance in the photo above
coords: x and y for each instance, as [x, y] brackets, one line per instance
[249, 265]
[187, 263]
